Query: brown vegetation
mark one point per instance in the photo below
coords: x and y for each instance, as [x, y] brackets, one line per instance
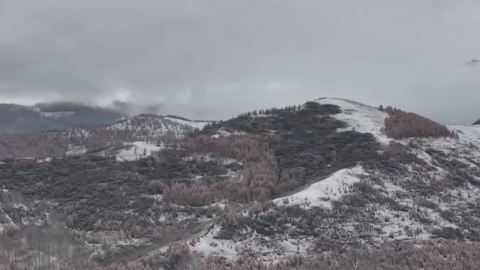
[401, 125]
[94, 138]
[261, 178]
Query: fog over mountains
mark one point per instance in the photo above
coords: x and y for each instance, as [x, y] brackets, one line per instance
[49, 116]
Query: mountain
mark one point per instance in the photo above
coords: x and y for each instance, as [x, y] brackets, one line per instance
[48, 116]
[477, 122]
[329, 184]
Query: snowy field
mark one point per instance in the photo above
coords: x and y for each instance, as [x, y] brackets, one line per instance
[137, 151]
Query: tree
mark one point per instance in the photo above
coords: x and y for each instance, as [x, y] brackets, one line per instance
[381, 108]
[144, 151]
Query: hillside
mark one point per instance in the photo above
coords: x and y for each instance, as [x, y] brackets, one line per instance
[149, 131]
[281, 186]
[477, 122]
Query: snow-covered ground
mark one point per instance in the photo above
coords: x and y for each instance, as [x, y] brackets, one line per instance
[231, 250]
[158, 126]
[421, 217]
[137, 151]
[194, 124]
[209, 158]
[325, 191]
[361, 117]
[76, 150]
[223, 133]
[56, 114]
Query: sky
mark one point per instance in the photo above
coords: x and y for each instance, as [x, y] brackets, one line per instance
[213, 59]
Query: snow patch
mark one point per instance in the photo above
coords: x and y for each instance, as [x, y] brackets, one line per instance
[137, 151]
[223, 133]
[76, 150]
[362, 118]
[57, 114]
[211, 158]
[194, 124]
[322, 193]
[228, 249]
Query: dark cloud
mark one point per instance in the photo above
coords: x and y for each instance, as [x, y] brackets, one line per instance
[217, 58]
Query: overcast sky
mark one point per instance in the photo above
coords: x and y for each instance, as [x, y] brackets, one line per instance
[217, 58]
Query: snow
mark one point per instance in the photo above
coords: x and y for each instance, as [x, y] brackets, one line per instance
[76, 150]
[391, 224]
[295, 246]
[228, 249]
[157, 197]
[44, 160]
[194, 124]
[157, 126]
[362, 118]
[395, 223]
[136, 151]
[223, 133]
[20, 206]
[56, 114]
[9, 223]
[211, 158]
[322, 193]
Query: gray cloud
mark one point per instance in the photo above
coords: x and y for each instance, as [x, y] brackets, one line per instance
[217, 58]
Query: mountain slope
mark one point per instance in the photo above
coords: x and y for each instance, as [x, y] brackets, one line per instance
[416, 189]
[301, 180]
[124, 136]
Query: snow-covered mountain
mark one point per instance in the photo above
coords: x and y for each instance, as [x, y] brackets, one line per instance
[426, 189]
[151, 131]
[331, 176]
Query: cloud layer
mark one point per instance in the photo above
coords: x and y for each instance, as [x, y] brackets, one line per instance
[217, 58]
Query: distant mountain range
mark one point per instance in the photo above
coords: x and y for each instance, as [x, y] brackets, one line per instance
[48, 116]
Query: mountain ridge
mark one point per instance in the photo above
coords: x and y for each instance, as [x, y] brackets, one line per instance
[326, 176]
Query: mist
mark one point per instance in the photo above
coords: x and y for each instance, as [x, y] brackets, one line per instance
[213, 59]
